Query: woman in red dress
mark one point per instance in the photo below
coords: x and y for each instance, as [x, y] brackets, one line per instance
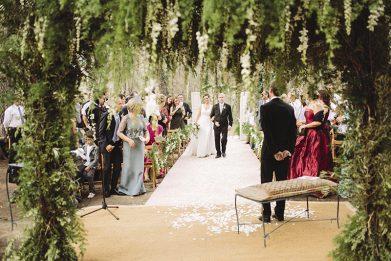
[312, 151]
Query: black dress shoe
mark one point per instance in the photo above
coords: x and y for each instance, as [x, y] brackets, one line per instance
[224, 155]
[114, 192]
[279, 218]
[265, 219]
[218, 156]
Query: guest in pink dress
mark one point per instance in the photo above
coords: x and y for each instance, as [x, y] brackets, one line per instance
[155, 130]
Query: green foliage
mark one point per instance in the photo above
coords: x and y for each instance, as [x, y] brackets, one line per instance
[256, 137]
[367, 160]
[49, 76]
[47, 47]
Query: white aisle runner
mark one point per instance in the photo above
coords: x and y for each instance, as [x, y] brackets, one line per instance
[196, 181]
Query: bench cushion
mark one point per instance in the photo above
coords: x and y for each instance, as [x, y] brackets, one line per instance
[286, 188]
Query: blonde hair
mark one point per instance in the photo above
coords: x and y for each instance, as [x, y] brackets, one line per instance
[161, 100]
[134, 104]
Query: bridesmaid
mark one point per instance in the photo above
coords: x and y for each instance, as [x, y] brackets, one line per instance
[132, 130]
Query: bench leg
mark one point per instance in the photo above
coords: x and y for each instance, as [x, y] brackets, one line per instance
[264, 233]
[236, 211]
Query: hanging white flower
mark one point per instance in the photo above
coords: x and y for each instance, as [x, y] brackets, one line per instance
[376, 10]
[303, 44]
[202, 41]
[246, 68]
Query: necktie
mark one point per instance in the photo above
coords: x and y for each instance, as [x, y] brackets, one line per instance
[20, 114]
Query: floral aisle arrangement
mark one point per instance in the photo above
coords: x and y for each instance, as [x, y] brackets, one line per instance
[256, 138]
[167, 151]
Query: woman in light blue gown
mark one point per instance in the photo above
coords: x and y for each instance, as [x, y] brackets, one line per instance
[133, 132]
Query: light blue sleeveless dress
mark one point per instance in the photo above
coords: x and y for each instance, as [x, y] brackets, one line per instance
[132, 182]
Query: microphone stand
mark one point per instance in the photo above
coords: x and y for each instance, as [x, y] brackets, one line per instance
[104, 204]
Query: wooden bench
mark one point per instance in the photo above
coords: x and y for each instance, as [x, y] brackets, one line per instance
[281, 190]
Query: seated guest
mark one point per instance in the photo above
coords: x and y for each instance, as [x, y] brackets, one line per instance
[178, 114]
[88, 157]
[155, 131]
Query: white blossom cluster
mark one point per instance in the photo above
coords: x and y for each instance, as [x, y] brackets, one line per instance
[202, 41]
[224, 56]
[156, 29]
[78, 31]
[376, 10]
[303, 44]
[246, 68]
[172, 24]
[40, 25]
[24, 37]
[347, 5]
[245, 58]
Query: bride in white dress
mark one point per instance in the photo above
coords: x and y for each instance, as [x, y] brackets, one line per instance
[203, 145]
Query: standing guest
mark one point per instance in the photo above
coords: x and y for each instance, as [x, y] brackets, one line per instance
[312, 151]
[155, 130]
[115, 144]
[13, 121]
[164, 119]
[132, 130]
[188, 111]
[278, 123]
[100, 120]
[264, 99]
[295, 102]
[177, 115]
[86, 113]
[89, 156]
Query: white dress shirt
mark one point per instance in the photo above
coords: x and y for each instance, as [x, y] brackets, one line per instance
[88, 152]
[85, 107]
[299, 110]
[221, 106]
[13, 116]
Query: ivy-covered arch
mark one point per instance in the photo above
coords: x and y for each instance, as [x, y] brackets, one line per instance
[48, 47]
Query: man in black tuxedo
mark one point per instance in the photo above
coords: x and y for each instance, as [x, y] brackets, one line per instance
[188, 111]
[115, 144]
[278, 123]
[221, 116]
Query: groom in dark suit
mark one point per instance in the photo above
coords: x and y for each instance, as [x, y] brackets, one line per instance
[221, 116]
[278, 123]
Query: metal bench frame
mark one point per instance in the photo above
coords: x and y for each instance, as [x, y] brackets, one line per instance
[267, 234]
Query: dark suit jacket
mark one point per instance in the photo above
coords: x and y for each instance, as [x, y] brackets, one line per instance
[224, 118]
[278, 123]
[188, 111]
[111, 130]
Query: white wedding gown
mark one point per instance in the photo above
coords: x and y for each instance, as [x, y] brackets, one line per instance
[203, 144]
